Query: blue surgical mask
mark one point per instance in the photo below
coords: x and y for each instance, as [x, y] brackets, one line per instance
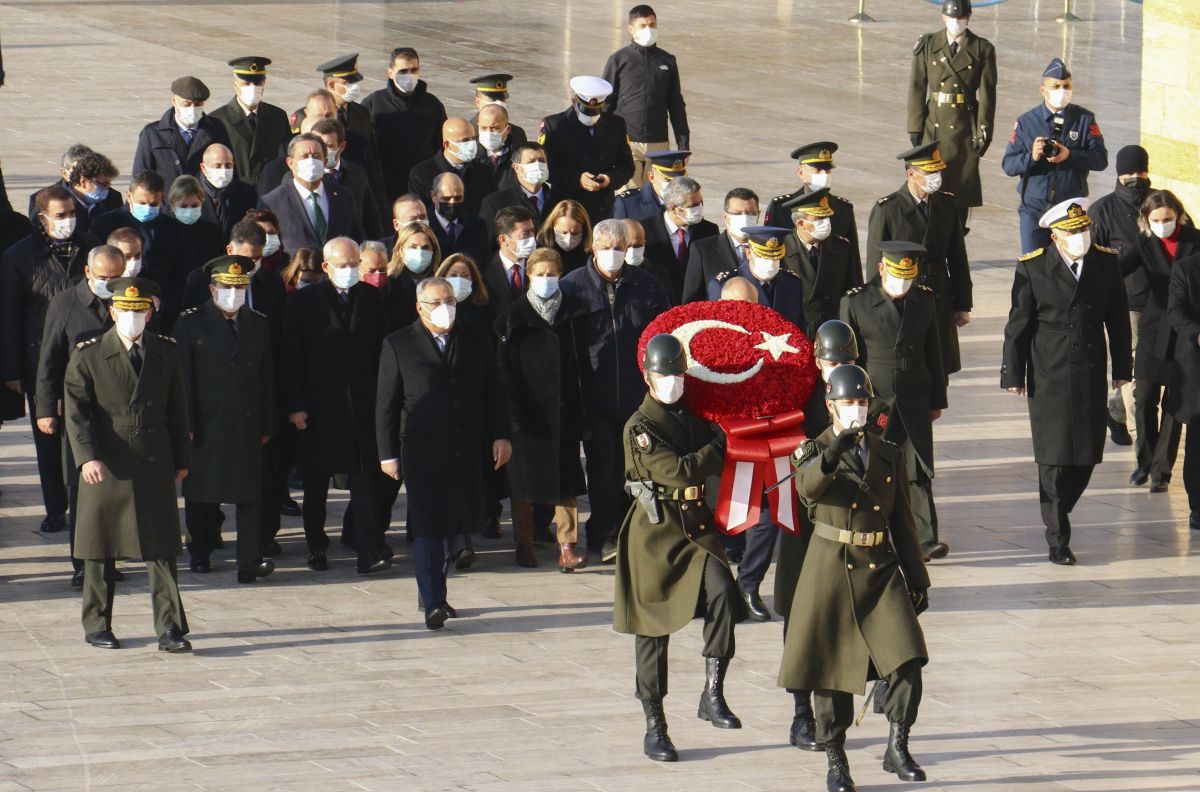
[143, 213]
[417, 260]
[188, 215]
[544, 286]
[98, 196]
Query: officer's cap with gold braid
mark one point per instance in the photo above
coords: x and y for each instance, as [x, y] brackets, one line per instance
[767, 242]
[591, 92]
[819, 154]
[927, 158]
[493, 86]
[669, 163]
[900, 258]
[813, 204]
[344, 67]
[230, 270]
[251, 68]
[1070, 215]
[133, 294]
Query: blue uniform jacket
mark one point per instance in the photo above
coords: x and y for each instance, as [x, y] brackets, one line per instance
[637, 204]
[1042, 183]
[784, 294]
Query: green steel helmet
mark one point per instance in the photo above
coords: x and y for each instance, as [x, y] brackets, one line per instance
[848, 382]
[836, 342]
[665, 355]
[956, 8]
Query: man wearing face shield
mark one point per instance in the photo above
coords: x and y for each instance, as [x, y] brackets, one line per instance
[587, 148]
[125, 415]
[853, 618]
[255, 128]
[645, 202]
[814, 166]
[1066, 299]
[459, 155]
[920, 211]
[825, 263]
[952, 99]
[174, 145]
[671, 565]
[1052, 149]
[895, 321]
[229, 379]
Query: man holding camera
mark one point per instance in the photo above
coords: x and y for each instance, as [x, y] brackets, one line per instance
[1051, 150]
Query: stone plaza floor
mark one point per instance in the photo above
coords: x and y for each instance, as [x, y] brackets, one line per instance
[1041, 677]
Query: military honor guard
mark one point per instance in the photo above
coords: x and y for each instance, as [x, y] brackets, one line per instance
[125, 415]
[670, 561]
[814, 166]
[827, 265]
[228, 375]
[952, 99]
[642, 203]
[1066, 299]
[853, 618]
[922, 212]
[256, 129]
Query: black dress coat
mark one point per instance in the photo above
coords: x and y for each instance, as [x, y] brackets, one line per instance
[515, 196]
[472, 239]
[783, 294]
[408, 130]
[825, 280]
[227, 206]
[253, 147]
[478, 182]
[1054, 347]
[161, 147]
[1182, 399]
[1156, 339]
[330, 365]
[74, 315]
[573, 149]
[1115, 225]
[843, 223]
[436, 413]
[661, 247]
[944, 268]
[540, 365]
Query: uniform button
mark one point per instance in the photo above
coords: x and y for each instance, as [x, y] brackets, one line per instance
[849, 566]
[873, 566]
[149, 404]
[684, 507]
[702, 526]
[887, 480]
[876, 508]
[936, 125]
[853, 505]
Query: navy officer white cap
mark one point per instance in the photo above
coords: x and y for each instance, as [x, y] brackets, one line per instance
[1059, 212]
[590, 89]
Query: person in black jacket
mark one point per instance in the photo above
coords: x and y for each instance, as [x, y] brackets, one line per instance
[567, 231]
[1115, 225]
[341, 172]
[440, 400]
[31, 273]
[458, 231]
[87, 175]
[712, 255]
[530, 172]
[1182, 398]
[174, 145]
[460, 155]
[226, 199]
[671, 233]
[497, 139]
[645, 91]
[408, 120]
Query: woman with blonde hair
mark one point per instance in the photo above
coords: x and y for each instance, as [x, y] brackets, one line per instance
[415, 256]
[474, 304]
[567, 230]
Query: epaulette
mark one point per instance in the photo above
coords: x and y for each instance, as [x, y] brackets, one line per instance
[1105, 249]
[847, 241]
[190, 311]
[843, 200]
[789, 272]
[626, 193]
[1032, 254]
[257, 312]
[88, 343]
[855, 290]
[782, 198]
[920, 43]
[162, 337]
[805, 451]
[923, 287]
[726, 275]
[885, 199]
[947, 194]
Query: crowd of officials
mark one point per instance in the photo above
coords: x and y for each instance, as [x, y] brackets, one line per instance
[366, 293]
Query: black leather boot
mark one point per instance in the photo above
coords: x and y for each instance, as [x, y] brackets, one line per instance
[657, 744]
[804, 726]
[837, 778]
[897, 759]
[712, 701]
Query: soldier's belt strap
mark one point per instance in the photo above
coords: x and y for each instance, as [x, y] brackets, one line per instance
[897, 363]
[139, 421]
[856, 538]
[693, 493]
[950, 98]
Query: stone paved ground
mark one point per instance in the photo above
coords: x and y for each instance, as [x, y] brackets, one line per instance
[1042, 678]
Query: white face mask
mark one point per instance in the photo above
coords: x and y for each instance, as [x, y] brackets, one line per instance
[567, 242]
[131, 324]
[821, 229]
[492, 141]
[331, 159]
[250, 95]
[272, 245]
[132, 267]
[464, 151]
[739, 221]
[219, 177]
[405, 82]
[1077, 245]
[62, 228]
[668, 389]
[956, 27]
[610, 261]
[693, 214]
[896, 287]
[188, 116]
[820, 179]
[525, 247]
[99, 287]
[461, 286]
[343, 277]
[1059, 98]
[352, 92]
[310, 170]
[442, 317]
[932, 183]
[229, 299]
[1163, 230]
[635, 255]
[535, 173]
[852, 415]
[544, 286]
[417, 259]
[587, 120]
[646, 37]
[763, 269]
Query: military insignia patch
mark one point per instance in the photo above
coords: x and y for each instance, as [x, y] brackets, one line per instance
[643, 441]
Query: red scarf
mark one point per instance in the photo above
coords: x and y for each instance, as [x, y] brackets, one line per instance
[1171, 244]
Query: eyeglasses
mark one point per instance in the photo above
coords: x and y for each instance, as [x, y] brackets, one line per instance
[433, 304]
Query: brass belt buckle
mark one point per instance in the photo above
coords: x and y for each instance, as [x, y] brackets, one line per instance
[691, 493]
[861, 539]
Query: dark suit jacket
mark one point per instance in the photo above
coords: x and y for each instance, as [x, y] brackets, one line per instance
[74, 315]
[472, 239]
[1156, 340]
[351, 177]
[477, 178]
[500, 291]
[296, 230]
[161, 147]
[707, 258]
[253, 148]
[661, 248]
[515, 196]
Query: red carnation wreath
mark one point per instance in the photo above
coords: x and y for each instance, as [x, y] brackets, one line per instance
[751, 371]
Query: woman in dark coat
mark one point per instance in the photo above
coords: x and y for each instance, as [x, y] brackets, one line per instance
[1166, 234]
[1182, 396]
[415, 257]
[567, 231]
[539, 353]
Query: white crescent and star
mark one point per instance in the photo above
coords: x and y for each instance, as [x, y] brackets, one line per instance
[775, 345]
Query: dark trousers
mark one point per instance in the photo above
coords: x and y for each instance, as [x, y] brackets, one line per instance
[834, 709]
[274, 491]
[1032, 235]
[920, 489]
[760, 549]
[718, 592]
[364, 500]
[369, 542]
[1191, 466]
[204, 529]
[49, 449]
[99, 585]
[1060, 487]
[605, 479]
[1157, 436]
[431, 561]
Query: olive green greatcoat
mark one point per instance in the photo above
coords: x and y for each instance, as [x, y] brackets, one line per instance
[852, 619]
[137, 426]
[660, 567]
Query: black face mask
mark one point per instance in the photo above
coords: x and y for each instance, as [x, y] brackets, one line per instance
[1136, 183]
[450, 211]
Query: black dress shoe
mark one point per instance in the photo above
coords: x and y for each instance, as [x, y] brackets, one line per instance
[756, 607]
[436, 617]
[173, 641]
[373, 565]
[735, 556]
[318, 562]
[219, 543]
[491, 528]
[608, 553]
[1119, 433]
[464, 558]
[803, 734]
[272, 549]
[103, 640]
[1139, 477]
[289, 508]
[1194, 521]
[386, 552]
[935, 549]
[54, 523]
[265, 567]
[201, 566]
[450, 612]
[1062, 556]
[1160, 486]
[77, 579]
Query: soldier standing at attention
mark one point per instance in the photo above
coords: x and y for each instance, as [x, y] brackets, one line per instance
[670, 557]
[814, 166]
[952, 99]
[126, 419]
[854, 613]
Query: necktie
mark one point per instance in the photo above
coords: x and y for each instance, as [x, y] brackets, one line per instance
[533, 201]
[924, 208]
[494, 158]
[814, 256]
[741, 253]
[232, 327]
[135, 358]
[953, 48]
[441, 342]
[318, 217]
[1075, 269]
[188, 134]
[514, 277]
[858, 457]
[680, 245]
[345, 297]
[252, 120]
